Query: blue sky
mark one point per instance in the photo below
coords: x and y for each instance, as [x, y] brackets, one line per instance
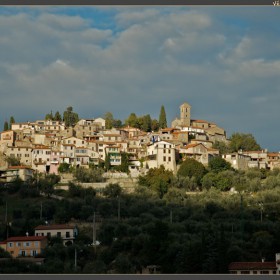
[224, 61]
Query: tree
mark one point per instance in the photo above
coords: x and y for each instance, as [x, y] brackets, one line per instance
[64, 167]
[107, 163]
[6, 126]
[69, 117]
[192, 168]
[57, 116]
[47, 183]
[132, 120]
[222, 147]
[12, 120]
[12, 161]
[218, 164]
[49, 116]
[158, 179]
[162, 118]
[146, 123]
[112, 190]
[124, 167]
[242, 141]
[117, 123]
[109, 120]
[154, 125]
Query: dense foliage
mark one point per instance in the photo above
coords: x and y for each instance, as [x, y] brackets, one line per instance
[159, 224]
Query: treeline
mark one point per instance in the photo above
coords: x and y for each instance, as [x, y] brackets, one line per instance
[145, 122]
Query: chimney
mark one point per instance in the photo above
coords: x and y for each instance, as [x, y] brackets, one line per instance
[27, 233]
[263, 259]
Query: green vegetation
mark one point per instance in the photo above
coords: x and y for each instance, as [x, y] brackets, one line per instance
[6, 126]
[110, 122]
[69, 117]
[165, 222]
[162, 118]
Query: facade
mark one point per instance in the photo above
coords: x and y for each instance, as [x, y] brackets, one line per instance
[199, 152]
[22, 172]
[24, 246]
[256, 267]
[68, 233]
[41, 158]
[259, 159]
[161, 153]
[7, 138]
[22, 153]
[237, 160]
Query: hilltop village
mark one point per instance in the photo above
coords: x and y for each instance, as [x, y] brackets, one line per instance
[41, 146]
[81, 197]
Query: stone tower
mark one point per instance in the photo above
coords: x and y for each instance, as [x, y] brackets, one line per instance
[185, 114]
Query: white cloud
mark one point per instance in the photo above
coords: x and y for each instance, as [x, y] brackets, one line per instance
[150, 58]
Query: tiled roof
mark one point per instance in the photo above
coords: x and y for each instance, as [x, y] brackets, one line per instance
[251, 265]
[37, 147]
[25, 238]
[200, 121]
[46, 227]
[192, 145]
[19, 167]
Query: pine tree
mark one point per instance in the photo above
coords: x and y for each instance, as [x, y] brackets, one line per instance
[162, 118]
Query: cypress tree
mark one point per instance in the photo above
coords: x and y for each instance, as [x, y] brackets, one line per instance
[6, 126]
[162, 118]
[12, 120]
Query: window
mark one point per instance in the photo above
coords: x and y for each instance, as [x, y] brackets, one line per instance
[26, 244]
[245, 272]
[164, 151]
[164, 158]
[58, 234]
[36, 244]
[169, 158]
[264, 272]
[48, 234]
[11, 244]
[67, 233]
[33, 253]
[23, 253]
[18, 244]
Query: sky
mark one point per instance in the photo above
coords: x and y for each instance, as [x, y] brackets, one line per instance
[222, 60]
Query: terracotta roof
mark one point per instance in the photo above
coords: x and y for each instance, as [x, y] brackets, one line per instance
[200, 121]
[19, 167]
[251, 265]
[46, 227]
[25, 238]
[192, 145]
[41, 147]
[273, 154]
[109, 134]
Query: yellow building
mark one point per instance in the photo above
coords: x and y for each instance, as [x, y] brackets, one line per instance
[24, 246]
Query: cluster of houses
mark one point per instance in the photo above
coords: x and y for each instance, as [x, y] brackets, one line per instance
[43, 145]
[33, 246]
